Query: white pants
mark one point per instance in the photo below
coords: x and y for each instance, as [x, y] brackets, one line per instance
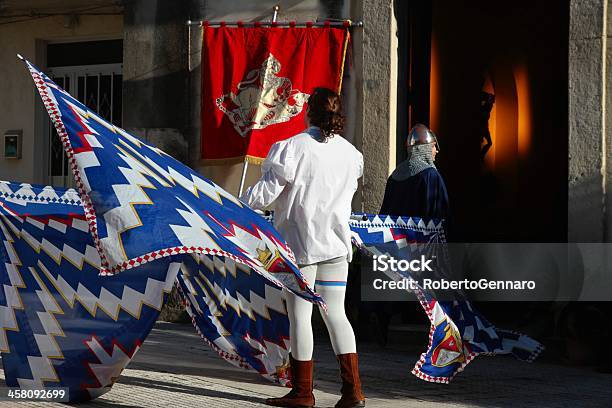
[330, 282]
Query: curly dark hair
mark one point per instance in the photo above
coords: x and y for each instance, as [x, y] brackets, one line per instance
[325, 112]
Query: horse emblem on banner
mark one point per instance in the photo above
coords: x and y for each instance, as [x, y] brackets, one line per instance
[262, 99]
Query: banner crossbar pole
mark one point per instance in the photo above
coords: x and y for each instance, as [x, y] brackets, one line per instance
[343, 23]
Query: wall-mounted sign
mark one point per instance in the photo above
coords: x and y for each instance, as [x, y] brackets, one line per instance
[12, 144]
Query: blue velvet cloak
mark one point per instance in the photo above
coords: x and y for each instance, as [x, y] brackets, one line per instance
[422, 195]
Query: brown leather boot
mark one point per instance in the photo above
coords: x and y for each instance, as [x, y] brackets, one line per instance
[352, 397]
[301, 394]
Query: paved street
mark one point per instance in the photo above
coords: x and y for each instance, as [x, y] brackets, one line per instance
[175, 369]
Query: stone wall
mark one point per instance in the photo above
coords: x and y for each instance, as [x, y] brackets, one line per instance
[590, 139]
[589, 144]
[156, 100]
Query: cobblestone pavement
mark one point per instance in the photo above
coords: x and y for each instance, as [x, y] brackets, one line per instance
[176, 369]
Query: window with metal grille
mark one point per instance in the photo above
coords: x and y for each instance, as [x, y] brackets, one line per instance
[96, 84]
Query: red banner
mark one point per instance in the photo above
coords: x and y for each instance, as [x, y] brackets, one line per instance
[256, 82]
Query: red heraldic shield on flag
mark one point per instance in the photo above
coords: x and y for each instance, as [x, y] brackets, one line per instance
[256, 83]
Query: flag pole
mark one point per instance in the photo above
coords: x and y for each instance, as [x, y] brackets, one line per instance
[245, 166]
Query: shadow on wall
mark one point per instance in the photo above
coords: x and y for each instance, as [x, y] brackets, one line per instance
[514, 52]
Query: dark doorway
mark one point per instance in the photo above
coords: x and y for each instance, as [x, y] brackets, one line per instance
[414, 55]
[516, 189]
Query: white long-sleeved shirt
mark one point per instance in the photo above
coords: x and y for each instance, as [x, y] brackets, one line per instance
[311, 184]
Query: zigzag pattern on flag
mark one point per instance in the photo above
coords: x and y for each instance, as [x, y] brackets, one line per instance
[458, 332]
[62, 324]
[57, 312]
[238, 314]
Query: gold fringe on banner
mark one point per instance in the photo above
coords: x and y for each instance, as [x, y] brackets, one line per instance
[232, 160]
[254, 160]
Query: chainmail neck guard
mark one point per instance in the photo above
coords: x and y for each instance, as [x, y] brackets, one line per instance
[419, 159]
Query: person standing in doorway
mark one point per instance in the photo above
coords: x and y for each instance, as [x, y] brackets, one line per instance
[414, 189]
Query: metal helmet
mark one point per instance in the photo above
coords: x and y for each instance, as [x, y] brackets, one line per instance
[420, 134]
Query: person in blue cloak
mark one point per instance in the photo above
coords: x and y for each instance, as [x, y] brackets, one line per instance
[416, 188]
